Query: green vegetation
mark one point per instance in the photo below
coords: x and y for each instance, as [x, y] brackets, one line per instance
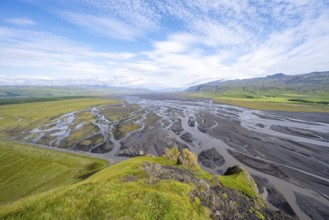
[107, 195]
[187, 158]
[26, 170]
[20, 93]
[85, 118]
[300, 93]
[240, 181]
[259, 215]
[124, 128]
[16, 117]
[171, 154]
[309, 101]
[151, 118]
[115, 113]
[281, 103]
[29, 100]
[121, 191]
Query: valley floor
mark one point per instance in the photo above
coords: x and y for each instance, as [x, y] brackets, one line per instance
[286, 153]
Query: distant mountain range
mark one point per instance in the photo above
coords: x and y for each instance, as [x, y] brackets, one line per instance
[14, 92]
[315, 83]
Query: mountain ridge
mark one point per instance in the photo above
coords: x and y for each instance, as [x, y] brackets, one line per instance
[313, 79]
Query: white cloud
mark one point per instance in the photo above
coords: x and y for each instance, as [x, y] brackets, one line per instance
[32, 52]
[210, 40]
[21, 21]
[104, 26]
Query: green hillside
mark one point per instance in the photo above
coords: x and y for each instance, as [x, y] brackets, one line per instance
[147, 188]
[26, 170]
[305, 92]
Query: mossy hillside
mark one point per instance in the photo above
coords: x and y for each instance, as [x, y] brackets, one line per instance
[238, 180]
[142, 188]
[27, 170]
[121, 191]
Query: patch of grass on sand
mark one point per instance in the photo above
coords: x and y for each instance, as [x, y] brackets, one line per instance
[86, 130]
[27, 170]
[151, 118]
[122, 129]
[240, 181]
[115, 113]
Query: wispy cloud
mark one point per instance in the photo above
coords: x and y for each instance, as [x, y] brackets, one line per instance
[120, 19]
[188, 42]
[21, 21]
[32, 53]
[104, 26]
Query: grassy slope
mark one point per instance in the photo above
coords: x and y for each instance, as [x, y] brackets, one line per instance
[38, 113]
[278, 103]
[26, 170]
[107, 195]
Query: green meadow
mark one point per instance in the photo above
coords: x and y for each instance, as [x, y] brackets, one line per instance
[120, 191]
[27, 170]
[273, 101]
[18, 116]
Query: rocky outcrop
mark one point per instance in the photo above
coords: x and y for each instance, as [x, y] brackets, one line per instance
[187, 158]
[222, 202]
[183, 157]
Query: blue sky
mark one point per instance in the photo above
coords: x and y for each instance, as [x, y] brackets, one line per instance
[159, 44]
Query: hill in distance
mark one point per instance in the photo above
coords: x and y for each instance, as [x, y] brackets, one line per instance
[311, 88]
[311, 83]
[30, 91]
[25, 94]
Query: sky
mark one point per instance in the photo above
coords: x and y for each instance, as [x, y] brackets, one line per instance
[159, 44]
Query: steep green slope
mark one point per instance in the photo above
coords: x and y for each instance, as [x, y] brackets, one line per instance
[144, 188]
[26, 170]
[306, 92]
